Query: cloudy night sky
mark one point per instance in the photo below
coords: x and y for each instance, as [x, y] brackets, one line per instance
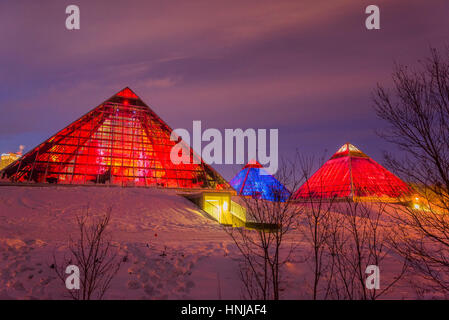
[307, 68]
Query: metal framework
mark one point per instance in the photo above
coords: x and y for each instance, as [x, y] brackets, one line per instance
[350, 173]
[255, 182]
[121, 142]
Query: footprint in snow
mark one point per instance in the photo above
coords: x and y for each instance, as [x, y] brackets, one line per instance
[134, 285]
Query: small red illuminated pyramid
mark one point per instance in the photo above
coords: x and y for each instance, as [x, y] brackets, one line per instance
[351, 174]
[122, 142]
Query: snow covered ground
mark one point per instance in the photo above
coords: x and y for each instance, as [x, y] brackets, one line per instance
[173, 251]
[36, 222]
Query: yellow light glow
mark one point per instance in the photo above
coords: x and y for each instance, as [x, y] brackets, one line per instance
[225, 206]
[416, 206]
[417, 199]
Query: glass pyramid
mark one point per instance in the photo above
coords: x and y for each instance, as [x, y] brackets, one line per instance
[350, 173]
[121, 142]
[255, 182]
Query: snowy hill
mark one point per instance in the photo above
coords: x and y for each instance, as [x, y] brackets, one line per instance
[172, 250]
[35, 222]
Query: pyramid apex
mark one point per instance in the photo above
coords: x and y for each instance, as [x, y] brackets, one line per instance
[127, 93]
[348, 149]
[253, 163]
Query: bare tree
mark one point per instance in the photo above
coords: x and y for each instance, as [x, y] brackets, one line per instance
[343, 237]
[264, 244]
[417, 113]
[423, 241]
[361, 236]
[315, 227]
[94, 255]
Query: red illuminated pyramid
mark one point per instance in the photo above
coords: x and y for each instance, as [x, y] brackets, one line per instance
[122, 142]
[350, 173]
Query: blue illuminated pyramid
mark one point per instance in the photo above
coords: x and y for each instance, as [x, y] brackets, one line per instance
[254, 181]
